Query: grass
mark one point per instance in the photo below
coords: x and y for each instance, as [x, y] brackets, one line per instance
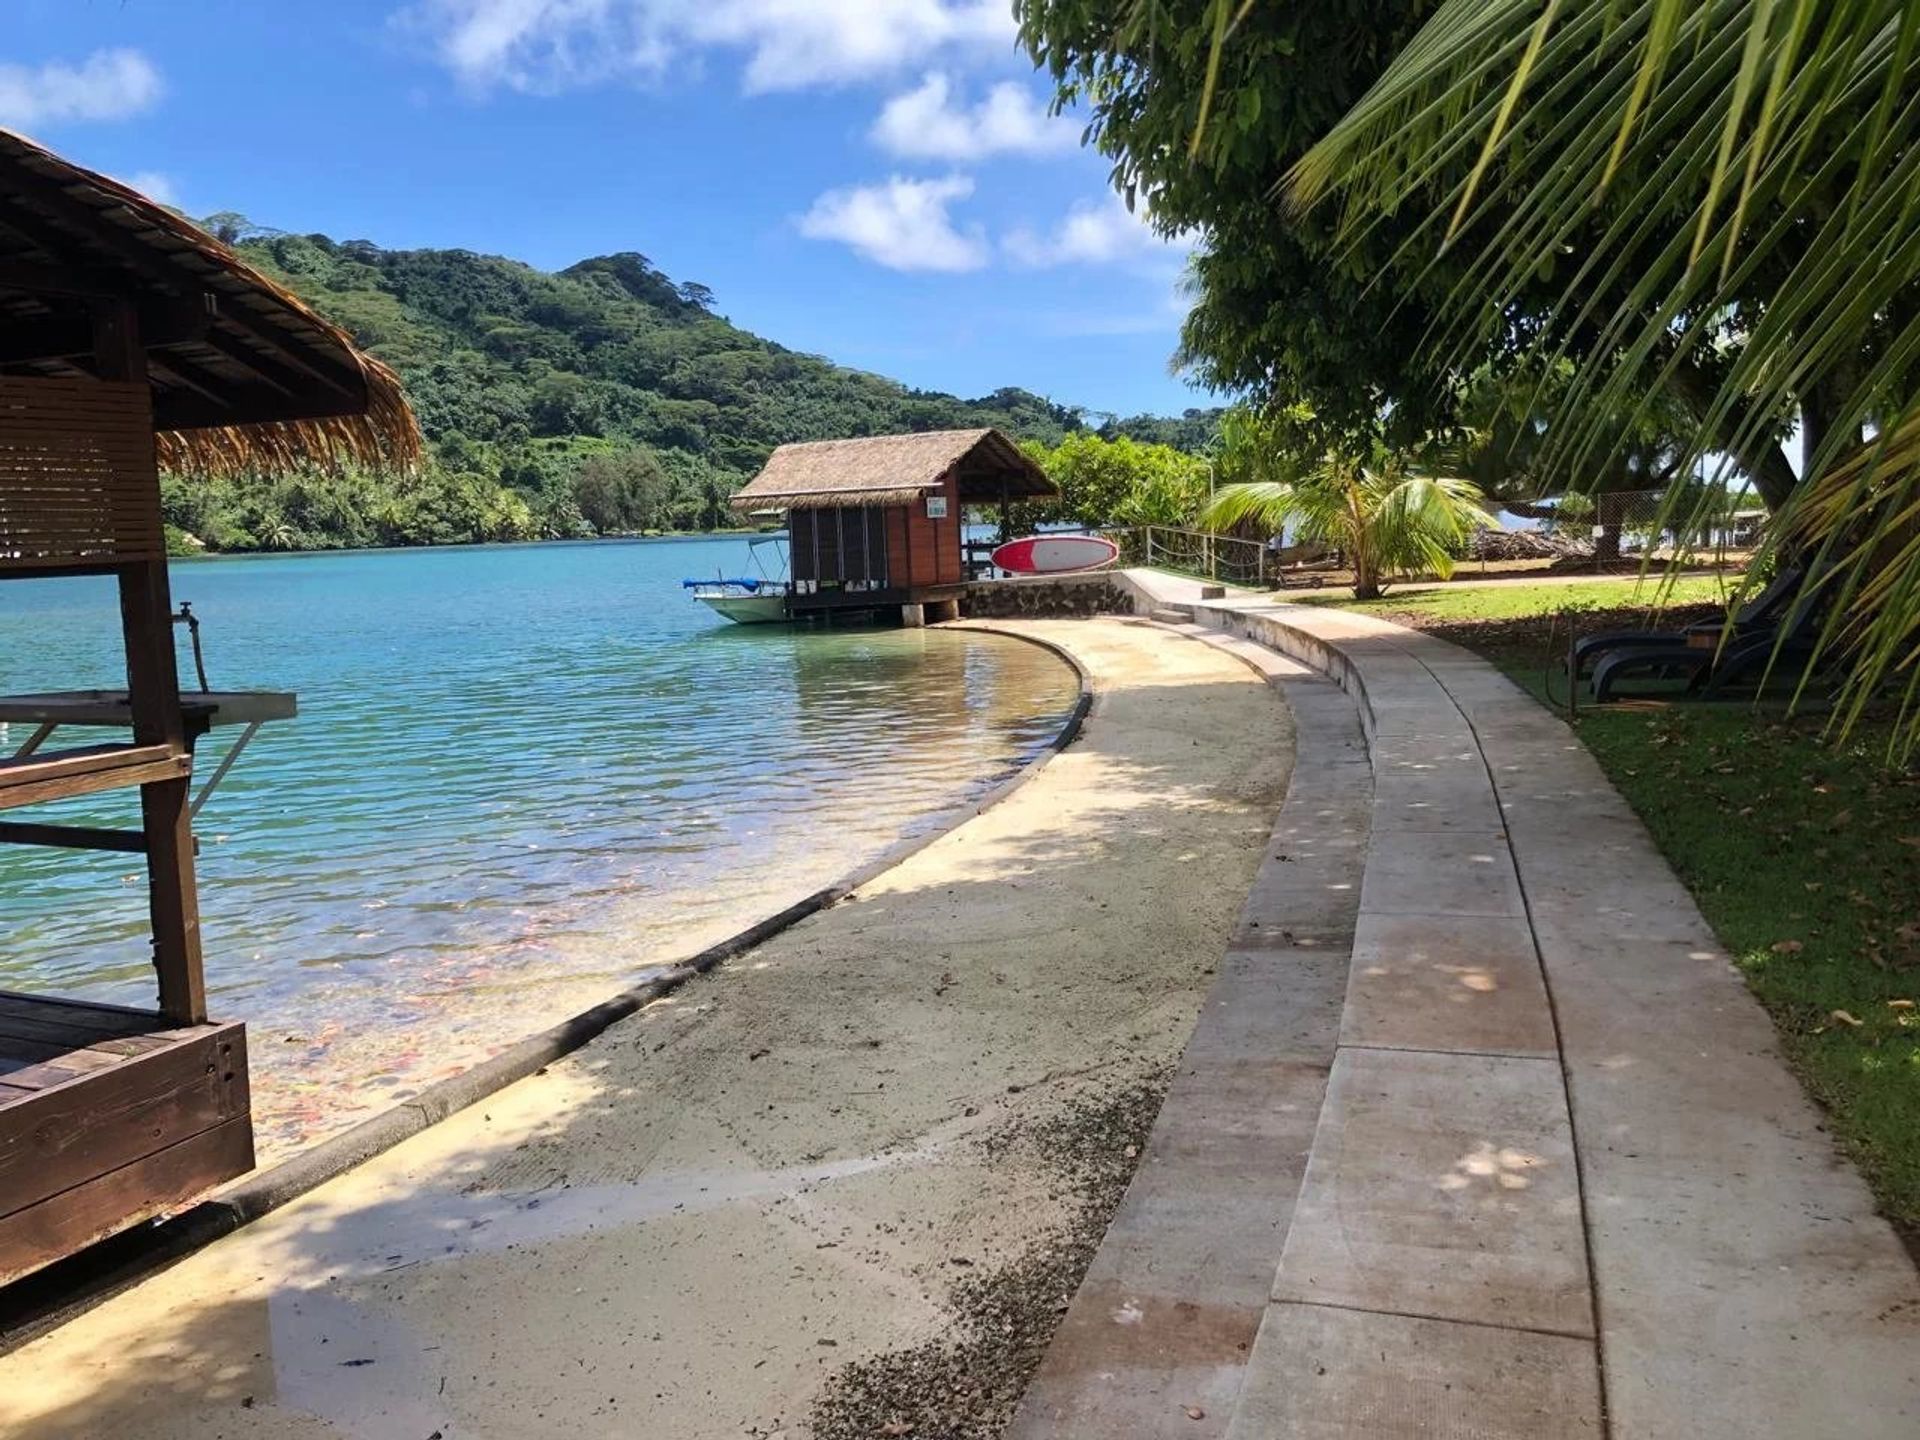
[1803, 854]
[1517, 600]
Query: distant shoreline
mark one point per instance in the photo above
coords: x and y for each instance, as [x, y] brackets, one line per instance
[665, 535]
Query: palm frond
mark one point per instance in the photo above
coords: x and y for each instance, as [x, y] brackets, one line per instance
[1726, 192]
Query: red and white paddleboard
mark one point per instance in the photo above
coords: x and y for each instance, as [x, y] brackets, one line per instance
[1055, 554]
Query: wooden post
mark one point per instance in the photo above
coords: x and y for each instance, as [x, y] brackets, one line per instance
[153, 688]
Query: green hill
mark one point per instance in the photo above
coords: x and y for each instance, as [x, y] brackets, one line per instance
[604, 398]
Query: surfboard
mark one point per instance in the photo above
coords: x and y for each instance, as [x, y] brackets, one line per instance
[1055, 554]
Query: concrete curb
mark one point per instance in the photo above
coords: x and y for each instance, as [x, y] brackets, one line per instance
[50, 1297]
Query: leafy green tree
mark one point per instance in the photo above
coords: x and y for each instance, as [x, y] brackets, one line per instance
[1208, 108]
[1116, 482]
[619, 494]
[1281, 311]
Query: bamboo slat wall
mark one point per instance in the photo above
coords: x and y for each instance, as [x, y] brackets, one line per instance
[78, 483]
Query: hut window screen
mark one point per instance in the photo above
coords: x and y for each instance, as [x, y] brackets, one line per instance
[78, 481]
[842, 547]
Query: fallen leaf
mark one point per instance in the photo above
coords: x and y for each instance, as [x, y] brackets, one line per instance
[1787, 947]
[1900, 1004]
[1846, 1019]
[897, 1427]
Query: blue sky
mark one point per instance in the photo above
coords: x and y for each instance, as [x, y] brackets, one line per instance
[873, 180]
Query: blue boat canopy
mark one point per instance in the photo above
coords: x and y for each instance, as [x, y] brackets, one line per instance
[749, 584]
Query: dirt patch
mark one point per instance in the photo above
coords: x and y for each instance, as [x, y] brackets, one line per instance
[966, 1386]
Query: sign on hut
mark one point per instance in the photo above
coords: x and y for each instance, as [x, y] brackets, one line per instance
[129, 340]
[878, 524]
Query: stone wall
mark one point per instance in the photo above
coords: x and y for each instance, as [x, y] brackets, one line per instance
[1046, 597]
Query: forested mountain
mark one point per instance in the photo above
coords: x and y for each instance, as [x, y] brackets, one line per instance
[606, 397]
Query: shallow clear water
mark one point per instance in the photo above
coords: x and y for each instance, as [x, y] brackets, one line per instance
[520, 776]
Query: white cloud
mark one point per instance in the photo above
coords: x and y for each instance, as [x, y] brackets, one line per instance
[902, 224]
[928, 123]
[1100, 232]
[155, 186]
[545, 45]
[107, 85]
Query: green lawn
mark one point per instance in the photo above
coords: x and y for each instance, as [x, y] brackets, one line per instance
[1803, 854]
[1517, 599]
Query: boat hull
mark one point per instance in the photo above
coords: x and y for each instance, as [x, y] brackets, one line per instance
[747, 609]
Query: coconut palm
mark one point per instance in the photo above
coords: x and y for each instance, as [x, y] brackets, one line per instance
[1726, 196]
[1383, 516]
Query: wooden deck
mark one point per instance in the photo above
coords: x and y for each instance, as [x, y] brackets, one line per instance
[108, 1117]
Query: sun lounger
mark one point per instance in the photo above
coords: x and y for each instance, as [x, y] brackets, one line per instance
[1762, 612]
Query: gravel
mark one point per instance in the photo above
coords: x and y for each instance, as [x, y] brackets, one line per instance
[965, 1385]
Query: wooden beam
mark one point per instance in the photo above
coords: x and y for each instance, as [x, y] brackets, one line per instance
[153, 685]
[280, 377]
[203, 383]
[153, 690]
[98, 229]
[36, 781]
[180, 411]
[70, 337]
[73, 837]
[334, 377]
[38, 279]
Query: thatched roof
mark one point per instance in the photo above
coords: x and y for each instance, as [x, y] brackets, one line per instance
[244, 374]
[893, 470]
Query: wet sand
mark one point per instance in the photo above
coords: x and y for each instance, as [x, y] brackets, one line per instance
[830, 1189]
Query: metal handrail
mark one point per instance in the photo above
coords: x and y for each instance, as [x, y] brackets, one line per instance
[1230, 559]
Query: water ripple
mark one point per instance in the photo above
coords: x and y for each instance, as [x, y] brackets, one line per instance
[519, 775]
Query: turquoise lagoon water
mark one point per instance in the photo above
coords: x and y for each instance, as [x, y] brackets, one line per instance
[520, 776]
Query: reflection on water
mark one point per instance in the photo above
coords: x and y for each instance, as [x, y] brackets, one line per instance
[520, 775]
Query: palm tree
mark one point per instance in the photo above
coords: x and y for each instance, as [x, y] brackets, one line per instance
[1724, 195]
[1382, 515]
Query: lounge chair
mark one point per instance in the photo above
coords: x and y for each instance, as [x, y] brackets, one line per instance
[1761, 613]
[1711, 669]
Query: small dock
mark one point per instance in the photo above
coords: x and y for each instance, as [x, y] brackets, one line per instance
[107, 1116]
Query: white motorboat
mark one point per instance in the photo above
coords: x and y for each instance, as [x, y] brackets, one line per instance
[749, 599]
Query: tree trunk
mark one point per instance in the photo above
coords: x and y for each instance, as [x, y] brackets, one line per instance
[1766, 463]
[1610, 510]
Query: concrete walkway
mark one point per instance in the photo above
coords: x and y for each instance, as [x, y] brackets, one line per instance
[811, 1162]
[1559, 1182]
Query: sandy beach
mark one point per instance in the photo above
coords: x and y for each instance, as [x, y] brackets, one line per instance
[861, 1162]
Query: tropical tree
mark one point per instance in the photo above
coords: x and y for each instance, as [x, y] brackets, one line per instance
[1384, 516]
[1278, 311]
[1742, 178]
[1116, 482]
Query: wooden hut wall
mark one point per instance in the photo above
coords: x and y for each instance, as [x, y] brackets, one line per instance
[932, 544]
[898, 548]
[78, 483]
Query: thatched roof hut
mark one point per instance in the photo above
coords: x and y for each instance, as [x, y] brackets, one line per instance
[894, 470]
[244, 374]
